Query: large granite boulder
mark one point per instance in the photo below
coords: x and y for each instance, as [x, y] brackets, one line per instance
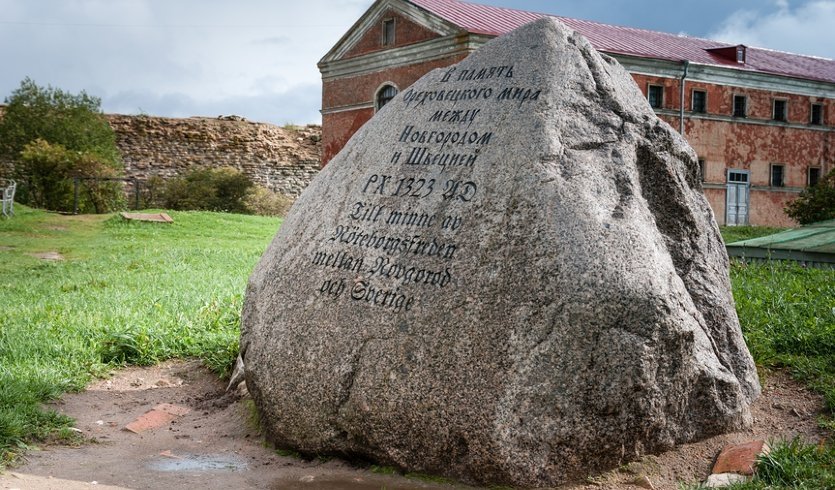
[509, 275]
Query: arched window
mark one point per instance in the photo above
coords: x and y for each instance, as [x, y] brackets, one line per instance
[385, 94]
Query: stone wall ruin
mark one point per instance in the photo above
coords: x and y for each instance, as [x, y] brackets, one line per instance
[282, 159]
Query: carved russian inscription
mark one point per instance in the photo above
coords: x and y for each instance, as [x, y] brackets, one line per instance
[394, 235]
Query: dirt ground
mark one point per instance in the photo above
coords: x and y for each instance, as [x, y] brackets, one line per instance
[217, 446]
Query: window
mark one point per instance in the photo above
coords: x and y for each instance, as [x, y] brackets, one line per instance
[699, 101]
[740, 106]
[702, 169]
[814, 176]
[655, 94]
[779, 112]
[777, 175]
[388, 32]
[385, 94]
[740, 54]
[817, 115]
[738, 176]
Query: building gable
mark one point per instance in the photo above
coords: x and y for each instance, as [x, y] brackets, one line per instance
[403, 32]
[365, 36]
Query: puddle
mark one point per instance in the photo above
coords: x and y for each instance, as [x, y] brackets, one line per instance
[199, 462]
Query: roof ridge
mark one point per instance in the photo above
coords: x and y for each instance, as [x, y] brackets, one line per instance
[811, 56]
[639, 42]
[590, 21]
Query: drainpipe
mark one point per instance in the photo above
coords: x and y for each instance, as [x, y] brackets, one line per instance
[681, 98]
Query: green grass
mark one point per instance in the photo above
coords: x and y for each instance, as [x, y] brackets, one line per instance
[793, 462]
[139, 293]
[792, 465]
[787, 314]
[127, 293]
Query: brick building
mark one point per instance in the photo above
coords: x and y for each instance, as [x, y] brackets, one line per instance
[761, 121]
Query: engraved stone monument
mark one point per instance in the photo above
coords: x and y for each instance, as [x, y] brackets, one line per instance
[509, 275]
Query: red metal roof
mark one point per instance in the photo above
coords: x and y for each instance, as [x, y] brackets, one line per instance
[495, 21]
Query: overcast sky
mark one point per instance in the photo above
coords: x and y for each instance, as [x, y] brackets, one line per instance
[257, 58]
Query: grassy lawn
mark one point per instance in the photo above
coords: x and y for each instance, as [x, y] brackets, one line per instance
[127, 292]
[138, 293]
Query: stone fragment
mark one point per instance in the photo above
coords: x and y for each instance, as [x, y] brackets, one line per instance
[509, 276]
[161, 415]
[151, 419]
[740, 458]
[152, 217]
[721, 480]
[643, 481]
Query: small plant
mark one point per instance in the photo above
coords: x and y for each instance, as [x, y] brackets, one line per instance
[383, 470]
[288, 453]
[424, 477]
[816, 203]
[264, 202]
[253, 417]
[224, 189]
[128, 347]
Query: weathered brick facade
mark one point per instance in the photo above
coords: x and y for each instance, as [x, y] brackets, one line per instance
[356, 69]
[752, 143]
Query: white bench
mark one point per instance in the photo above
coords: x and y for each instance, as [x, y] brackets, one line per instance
[8, 199]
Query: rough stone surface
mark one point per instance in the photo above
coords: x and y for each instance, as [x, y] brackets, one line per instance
[514, 281]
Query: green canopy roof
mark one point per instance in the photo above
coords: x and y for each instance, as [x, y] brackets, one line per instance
[813, 243]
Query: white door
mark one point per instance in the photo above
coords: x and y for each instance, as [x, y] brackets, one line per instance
[736, 200]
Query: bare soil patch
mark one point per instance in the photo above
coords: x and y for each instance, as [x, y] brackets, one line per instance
[47, 255]
[217, 446]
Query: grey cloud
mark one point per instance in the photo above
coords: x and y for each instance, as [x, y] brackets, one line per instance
[276, 40]
[298, 105]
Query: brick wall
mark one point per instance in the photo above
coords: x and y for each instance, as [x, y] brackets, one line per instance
[338, 127]
[753, 143]
[407, 33]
